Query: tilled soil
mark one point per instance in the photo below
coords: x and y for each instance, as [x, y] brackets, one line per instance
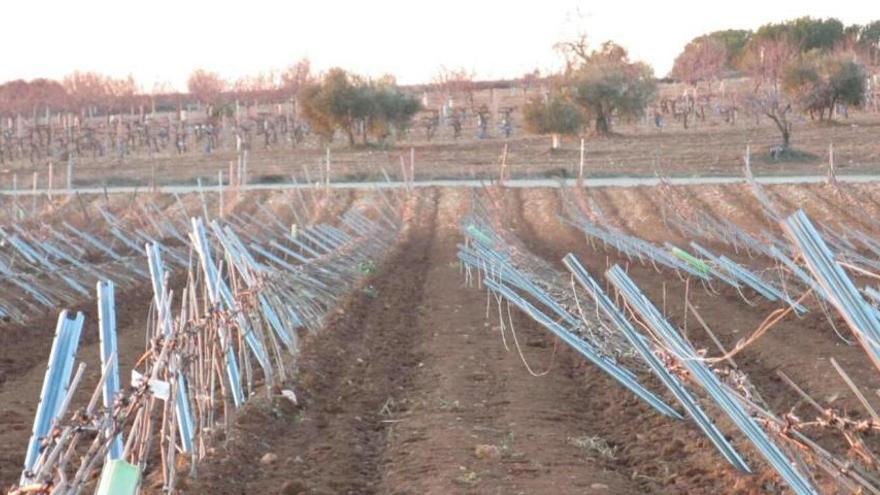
[24, 348]
[411, 389]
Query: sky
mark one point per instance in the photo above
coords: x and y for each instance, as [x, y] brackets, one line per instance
[162, 41]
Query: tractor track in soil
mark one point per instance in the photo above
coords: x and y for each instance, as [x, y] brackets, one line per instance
[658, 455]
[435, 404]
[731, 319]
[352, 372]
[409, 388]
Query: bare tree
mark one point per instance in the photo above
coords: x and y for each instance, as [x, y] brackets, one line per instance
[206, 86]
[766, 61]
[575, 52]
[774, 104]
[702, 60]
[456, 82]
[87, 90]
[295, 77]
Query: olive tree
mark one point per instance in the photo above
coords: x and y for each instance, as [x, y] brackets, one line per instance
[335, 102]
[392, 111]
[606, 84]
[348, 103]
[556, 116]
[819, 82]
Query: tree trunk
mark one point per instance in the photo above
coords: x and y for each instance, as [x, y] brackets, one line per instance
[784, 127]
[602, 126]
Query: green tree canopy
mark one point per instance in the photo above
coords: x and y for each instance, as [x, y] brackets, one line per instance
[391, 110]
[556, 116]
[343, 101]
[818, 82]
[605, 83]
[734, 40]
[806, 33]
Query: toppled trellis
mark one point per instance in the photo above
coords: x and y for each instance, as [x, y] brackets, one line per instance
[53, 265]
[685, 355]
[594, 330]
[862, 318]
[642, 345]
[700, 264]
[703, 386]
[519, 278]
[780, 439]
[230, 330]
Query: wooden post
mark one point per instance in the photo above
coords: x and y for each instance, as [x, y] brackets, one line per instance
[581, 169]
[34, 197]
[412, 164]
[748, 159]
[238, 171]
[233, 181]
[18, 213]
[51, 177]
[327, 172]
[202, 197]
[220, 193]
[831, 176]
[403, 172]
[71, 158]
[244, 167]
[503, 174]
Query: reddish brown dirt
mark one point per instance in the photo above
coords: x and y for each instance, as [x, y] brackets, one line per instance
[659, 455]
[409, 389]
[398, 400]
[731, 319]
[24, 362]
[24, 348]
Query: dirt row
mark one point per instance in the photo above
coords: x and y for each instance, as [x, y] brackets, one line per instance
[799, 347]
[469, 418]
[411, 391]
[410, 388]
[24, 348]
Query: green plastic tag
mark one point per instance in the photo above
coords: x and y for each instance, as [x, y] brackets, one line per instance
[119, 478]
[479, 235]
[697, 264]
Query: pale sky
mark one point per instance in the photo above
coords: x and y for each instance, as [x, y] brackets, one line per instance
[163, 40]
